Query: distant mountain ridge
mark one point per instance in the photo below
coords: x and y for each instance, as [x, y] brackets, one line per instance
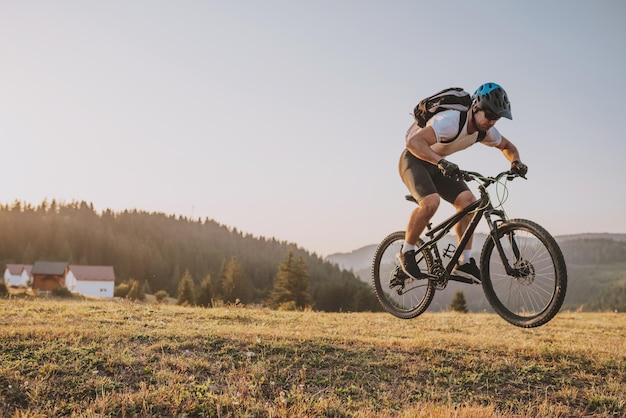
[362, 257]
[592, 235]
[596, 264]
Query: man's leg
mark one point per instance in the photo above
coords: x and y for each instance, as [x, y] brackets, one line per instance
[463, 200]
[420, 218]
[417, 223]
[417, 175]
[466, 265]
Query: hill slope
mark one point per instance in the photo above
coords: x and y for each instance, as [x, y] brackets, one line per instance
[97, 359]
[157, 249]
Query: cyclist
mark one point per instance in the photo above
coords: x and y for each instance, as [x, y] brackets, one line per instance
[429, 176]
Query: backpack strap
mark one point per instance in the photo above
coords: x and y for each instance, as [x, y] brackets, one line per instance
[462, 120]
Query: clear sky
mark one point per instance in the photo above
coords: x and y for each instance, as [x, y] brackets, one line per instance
[286, 118]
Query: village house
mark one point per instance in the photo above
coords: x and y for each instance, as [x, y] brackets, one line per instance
[18, 275]
[98, 281]
[48, 275]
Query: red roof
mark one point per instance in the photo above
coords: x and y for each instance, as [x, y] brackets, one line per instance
[95, 273]
[16, 269]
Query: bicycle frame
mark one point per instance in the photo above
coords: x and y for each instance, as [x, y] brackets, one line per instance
[479, 208]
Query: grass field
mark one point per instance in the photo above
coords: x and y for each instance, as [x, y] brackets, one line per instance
[94, 359]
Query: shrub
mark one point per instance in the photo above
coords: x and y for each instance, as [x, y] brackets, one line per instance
[121, 290]
[161, 295]
[61, 292]
[4, 291]
[287, 306]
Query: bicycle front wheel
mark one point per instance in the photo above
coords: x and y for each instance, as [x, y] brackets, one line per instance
[533, 290]
[398, 294]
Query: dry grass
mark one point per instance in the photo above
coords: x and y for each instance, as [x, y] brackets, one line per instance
[69, 358]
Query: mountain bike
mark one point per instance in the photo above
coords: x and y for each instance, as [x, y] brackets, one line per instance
[523, 272]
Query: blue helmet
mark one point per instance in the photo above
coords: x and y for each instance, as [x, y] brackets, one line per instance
[492, 97]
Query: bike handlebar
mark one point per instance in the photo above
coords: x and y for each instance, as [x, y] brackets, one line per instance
[473, 175]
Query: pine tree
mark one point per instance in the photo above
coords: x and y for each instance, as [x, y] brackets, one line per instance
[186, 290]
[458, 302]
[291, 285]
[303, 297]
[136, 291]
[235, 287]
[205, 293]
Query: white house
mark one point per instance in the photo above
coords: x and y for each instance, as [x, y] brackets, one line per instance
[98, 281]
[18, 275]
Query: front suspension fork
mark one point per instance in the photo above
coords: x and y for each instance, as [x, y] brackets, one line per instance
[495, 236]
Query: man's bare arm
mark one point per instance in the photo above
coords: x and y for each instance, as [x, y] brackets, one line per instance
[419, 144]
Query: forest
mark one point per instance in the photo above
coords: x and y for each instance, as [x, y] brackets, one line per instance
[597, 273]
[593, 250]
[158, 249]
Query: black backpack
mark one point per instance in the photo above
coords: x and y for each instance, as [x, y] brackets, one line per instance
[453, 98]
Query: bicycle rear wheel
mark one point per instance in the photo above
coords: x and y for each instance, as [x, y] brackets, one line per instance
[398, 294]
[534, 292]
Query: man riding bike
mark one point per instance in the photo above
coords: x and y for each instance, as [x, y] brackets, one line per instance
[430, 177]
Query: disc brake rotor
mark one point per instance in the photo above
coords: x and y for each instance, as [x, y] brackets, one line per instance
[524, 272]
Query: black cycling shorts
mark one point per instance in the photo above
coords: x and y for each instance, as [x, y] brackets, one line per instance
[423, 178]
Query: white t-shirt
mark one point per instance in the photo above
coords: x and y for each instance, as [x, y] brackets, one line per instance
[446, 125]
